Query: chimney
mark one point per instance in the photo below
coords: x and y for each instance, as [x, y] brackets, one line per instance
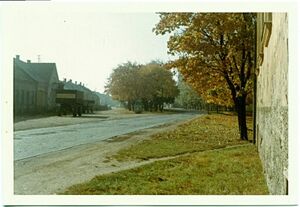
[18, 57]
[80, 83]
[75, 82]
[65, 80]
[28, 61]
[70, 80]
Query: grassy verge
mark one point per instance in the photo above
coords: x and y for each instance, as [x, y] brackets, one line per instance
[210, 170]
[204, 133]
[235, 171]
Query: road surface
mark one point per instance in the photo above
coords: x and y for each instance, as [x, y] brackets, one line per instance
[33, 142]
[48, 160]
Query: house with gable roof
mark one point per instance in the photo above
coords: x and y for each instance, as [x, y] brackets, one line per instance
[34, 86]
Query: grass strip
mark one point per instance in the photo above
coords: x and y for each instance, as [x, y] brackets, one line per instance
[232, 171]
[228, 171]
[204, 133]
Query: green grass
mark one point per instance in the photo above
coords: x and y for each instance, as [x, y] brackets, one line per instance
[211, 170]
[204, 133]
[232, 171]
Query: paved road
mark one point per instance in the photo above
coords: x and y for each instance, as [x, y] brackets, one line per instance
[33, 142]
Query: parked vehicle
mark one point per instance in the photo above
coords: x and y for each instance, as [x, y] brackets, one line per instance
[70, 101]
[75, 98]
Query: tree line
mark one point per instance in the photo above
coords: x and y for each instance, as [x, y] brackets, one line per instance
[188, 98]
[215, 53]
[142, 87]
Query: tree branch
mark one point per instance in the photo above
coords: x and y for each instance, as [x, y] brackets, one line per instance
[249, 66]
[231, 86]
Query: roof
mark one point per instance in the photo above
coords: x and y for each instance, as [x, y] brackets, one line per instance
[88, 94]
[71, 85]
[40, 72]
[20, 74]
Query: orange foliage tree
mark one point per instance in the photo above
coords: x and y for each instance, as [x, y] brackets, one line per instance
[215, 54]
[150, 84]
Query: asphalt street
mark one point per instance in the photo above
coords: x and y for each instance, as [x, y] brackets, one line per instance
[33, 142]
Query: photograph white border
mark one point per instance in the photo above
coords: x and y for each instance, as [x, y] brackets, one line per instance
[154, 6]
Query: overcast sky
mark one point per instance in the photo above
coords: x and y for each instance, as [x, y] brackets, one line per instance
[85, 44]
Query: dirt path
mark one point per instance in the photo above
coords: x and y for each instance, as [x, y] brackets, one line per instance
[53, 172]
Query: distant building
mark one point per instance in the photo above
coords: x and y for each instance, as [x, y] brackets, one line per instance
[106, 100]
[88, 94]
[272, 99]
[34, 86]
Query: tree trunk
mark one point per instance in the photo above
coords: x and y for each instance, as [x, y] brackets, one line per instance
[129, 105]
[207, 108]
[146, 105]
[161, 107]
[240, 105]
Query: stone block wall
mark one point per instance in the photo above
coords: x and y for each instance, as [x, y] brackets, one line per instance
[272, 102]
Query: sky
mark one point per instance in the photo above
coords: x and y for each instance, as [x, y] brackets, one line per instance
[86, 44]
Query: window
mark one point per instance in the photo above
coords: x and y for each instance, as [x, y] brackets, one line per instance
[27, 98]
[32, 97]
[267, 28]
[17, 98]
[22, 97]
[264, 29]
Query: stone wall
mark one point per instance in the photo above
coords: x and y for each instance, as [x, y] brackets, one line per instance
[272, 100]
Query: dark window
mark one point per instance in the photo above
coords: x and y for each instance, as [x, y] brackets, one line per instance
[32, 95]
[34, 99]
[268, 17]
[22, 97]
[17, 96]
[27, 98]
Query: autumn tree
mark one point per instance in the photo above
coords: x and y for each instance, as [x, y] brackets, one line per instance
[124, 84]
[151, 84]
[188, 98]
[159, 86]
[215, 55]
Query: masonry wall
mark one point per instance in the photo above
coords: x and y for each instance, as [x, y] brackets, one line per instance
[272, 103]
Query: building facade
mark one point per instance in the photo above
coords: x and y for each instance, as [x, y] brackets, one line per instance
[34, 86]
[87, 93]
[272, 99]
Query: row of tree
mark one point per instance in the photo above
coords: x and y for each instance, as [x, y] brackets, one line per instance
[147, 86]
[215, 53]
[188, 98]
